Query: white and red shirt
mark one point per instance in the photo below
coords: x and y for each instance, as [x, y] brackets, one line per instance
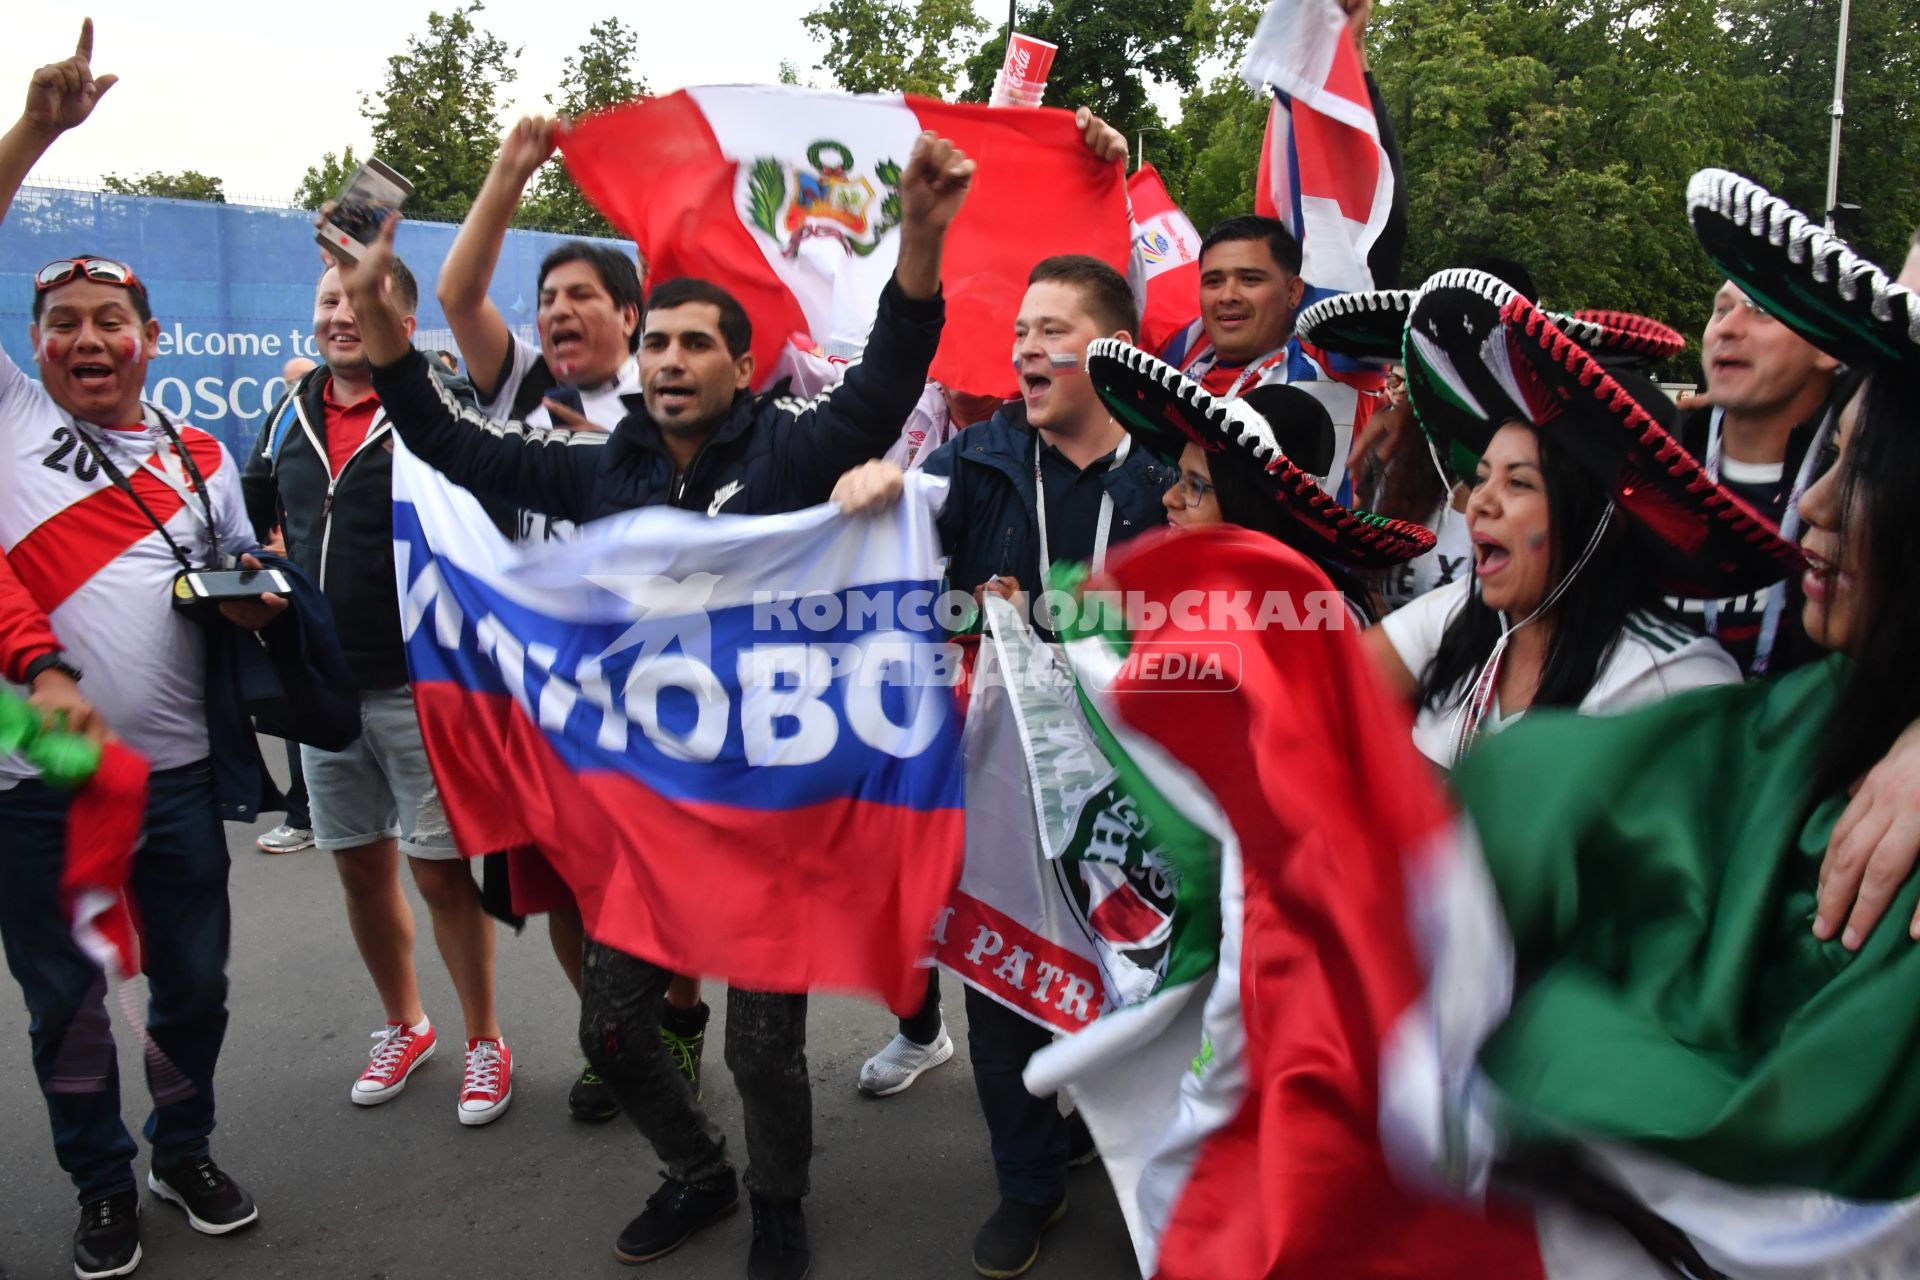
[100, 570]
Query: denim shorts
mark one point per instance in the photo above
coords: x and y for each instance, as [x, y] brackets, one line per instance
[380, 786]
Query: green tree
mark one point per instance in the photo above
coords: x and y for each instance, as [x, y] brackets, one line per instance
[436, 120]
[1793, 45]
[1221, 127]
[322, 182]
[188, 184]
[598, 76]
[894, 46]
[1562, 134]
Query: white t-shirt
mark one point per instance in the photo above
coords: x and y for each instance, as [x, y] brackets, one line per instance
[103, 572]
[1653, 659]
[1450, 560]
[602, 406]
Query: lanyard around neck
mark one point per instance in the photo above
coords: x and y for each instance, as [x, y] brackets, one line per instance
[1789, 531]
[1254, 371]
[196, 485]
[1105, 528]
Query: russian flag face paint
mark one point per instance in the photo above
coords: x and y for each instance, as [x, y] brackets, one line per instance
[1059, 362]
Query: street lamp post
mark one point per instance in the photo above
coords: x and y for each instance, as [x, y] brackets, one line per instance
[1839, 110]
[1140, 147]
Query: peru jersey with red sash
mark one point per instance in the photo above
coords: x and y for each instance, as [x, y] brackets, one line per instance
[99, 568]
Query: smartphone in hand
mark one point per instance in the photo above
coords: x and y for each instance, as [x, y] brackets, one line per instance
[362, 208]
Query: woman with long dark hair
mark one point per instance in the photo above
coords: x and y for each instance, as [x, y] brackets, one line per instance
[1574, 549]
[1252, 462]
[1687, 1035]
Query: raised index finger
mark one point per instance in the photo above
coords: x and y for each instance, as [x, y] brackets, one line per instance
[85, 48]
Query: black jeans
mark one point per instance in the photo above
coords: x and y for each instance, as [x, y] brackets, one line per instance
[924, 1025]
[1028, 1134]
[766, 1051]
[298, 815]
[179, 888]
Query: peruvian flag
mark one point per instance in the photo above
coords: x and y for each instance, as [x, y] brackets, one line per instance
[790, 199]
[1165, 268]
[1323, 169]
[104, 826]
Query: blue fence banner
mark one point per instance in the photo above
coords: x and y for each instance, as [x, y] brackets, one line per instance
[232, 287]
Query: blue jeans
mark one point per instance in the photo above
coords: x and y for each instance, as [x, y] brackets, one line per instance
[180, 894]
[1028, 1134]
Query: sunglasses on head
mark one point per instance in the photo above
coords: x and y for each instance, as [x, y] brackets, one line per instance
[99, 270]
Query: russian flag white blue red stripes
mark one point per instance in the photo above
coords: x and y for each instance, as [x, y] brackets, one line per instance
[729, 736]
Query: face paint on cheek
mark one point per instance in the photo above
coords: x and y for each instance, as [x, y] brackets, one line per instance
[50, 349]
[1537, 542]
[129, 349]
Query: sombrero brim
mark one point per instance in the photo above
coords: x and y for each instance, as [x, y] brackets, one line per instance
[1363, 326]
[1809, 280]
[1475, 339]
[1620, 337]
[1165, 410]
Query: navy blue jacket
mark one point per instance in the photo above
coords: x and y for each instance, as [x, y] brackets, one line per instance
[770, 454]
[988, 526]
[292, 676]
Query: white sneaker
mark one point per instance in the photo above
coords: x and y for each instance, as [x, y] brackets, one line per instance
[902, 1062]
[285, 839]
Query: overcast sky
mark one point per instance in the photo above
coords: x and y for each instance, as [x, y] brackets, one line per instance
[253, 93]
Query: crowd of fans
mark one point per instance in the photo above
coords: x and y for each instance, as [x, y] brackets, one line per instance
[1494, 567]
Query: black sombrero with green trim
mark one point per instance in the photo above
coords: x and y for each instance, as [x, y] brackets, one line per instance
[1798, 273]
[1371, 325]
[1480, 355]
[1365, 325]
[1165, 410]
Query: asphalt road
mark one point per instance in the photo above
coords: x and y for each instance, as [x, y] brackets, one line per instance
[403, 1190]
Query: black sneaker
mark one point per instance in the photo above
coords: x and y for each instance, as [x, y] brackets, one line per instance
[107, 1241]
[673, 1214]
[779, 1241]
[590, 1100]
[1010, 1242]
[215, 1203]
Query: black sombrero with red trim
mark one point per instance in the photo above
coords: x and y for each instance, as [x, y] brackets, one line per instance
[1164, 410]
[1807, 279]
[1480, 355]
[1371, 325]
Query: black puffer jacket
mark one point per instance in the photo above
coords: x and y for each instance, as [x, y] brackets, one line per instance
[771, 453]
[339, 530]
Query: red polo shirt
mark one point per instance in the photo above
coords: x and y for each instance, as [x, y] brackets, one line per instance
[347, 425]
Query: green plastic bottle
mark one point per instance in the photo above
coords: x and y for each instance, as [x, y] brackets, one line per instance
[64, 759]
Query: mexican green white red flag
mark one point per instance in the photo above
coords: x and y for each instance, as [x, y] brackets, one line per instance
[1580, 1031]
[1083, 890]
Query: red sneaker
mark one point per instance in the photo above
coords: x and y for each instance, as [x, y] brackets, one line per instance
[489, 1084]
[395, 1054]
